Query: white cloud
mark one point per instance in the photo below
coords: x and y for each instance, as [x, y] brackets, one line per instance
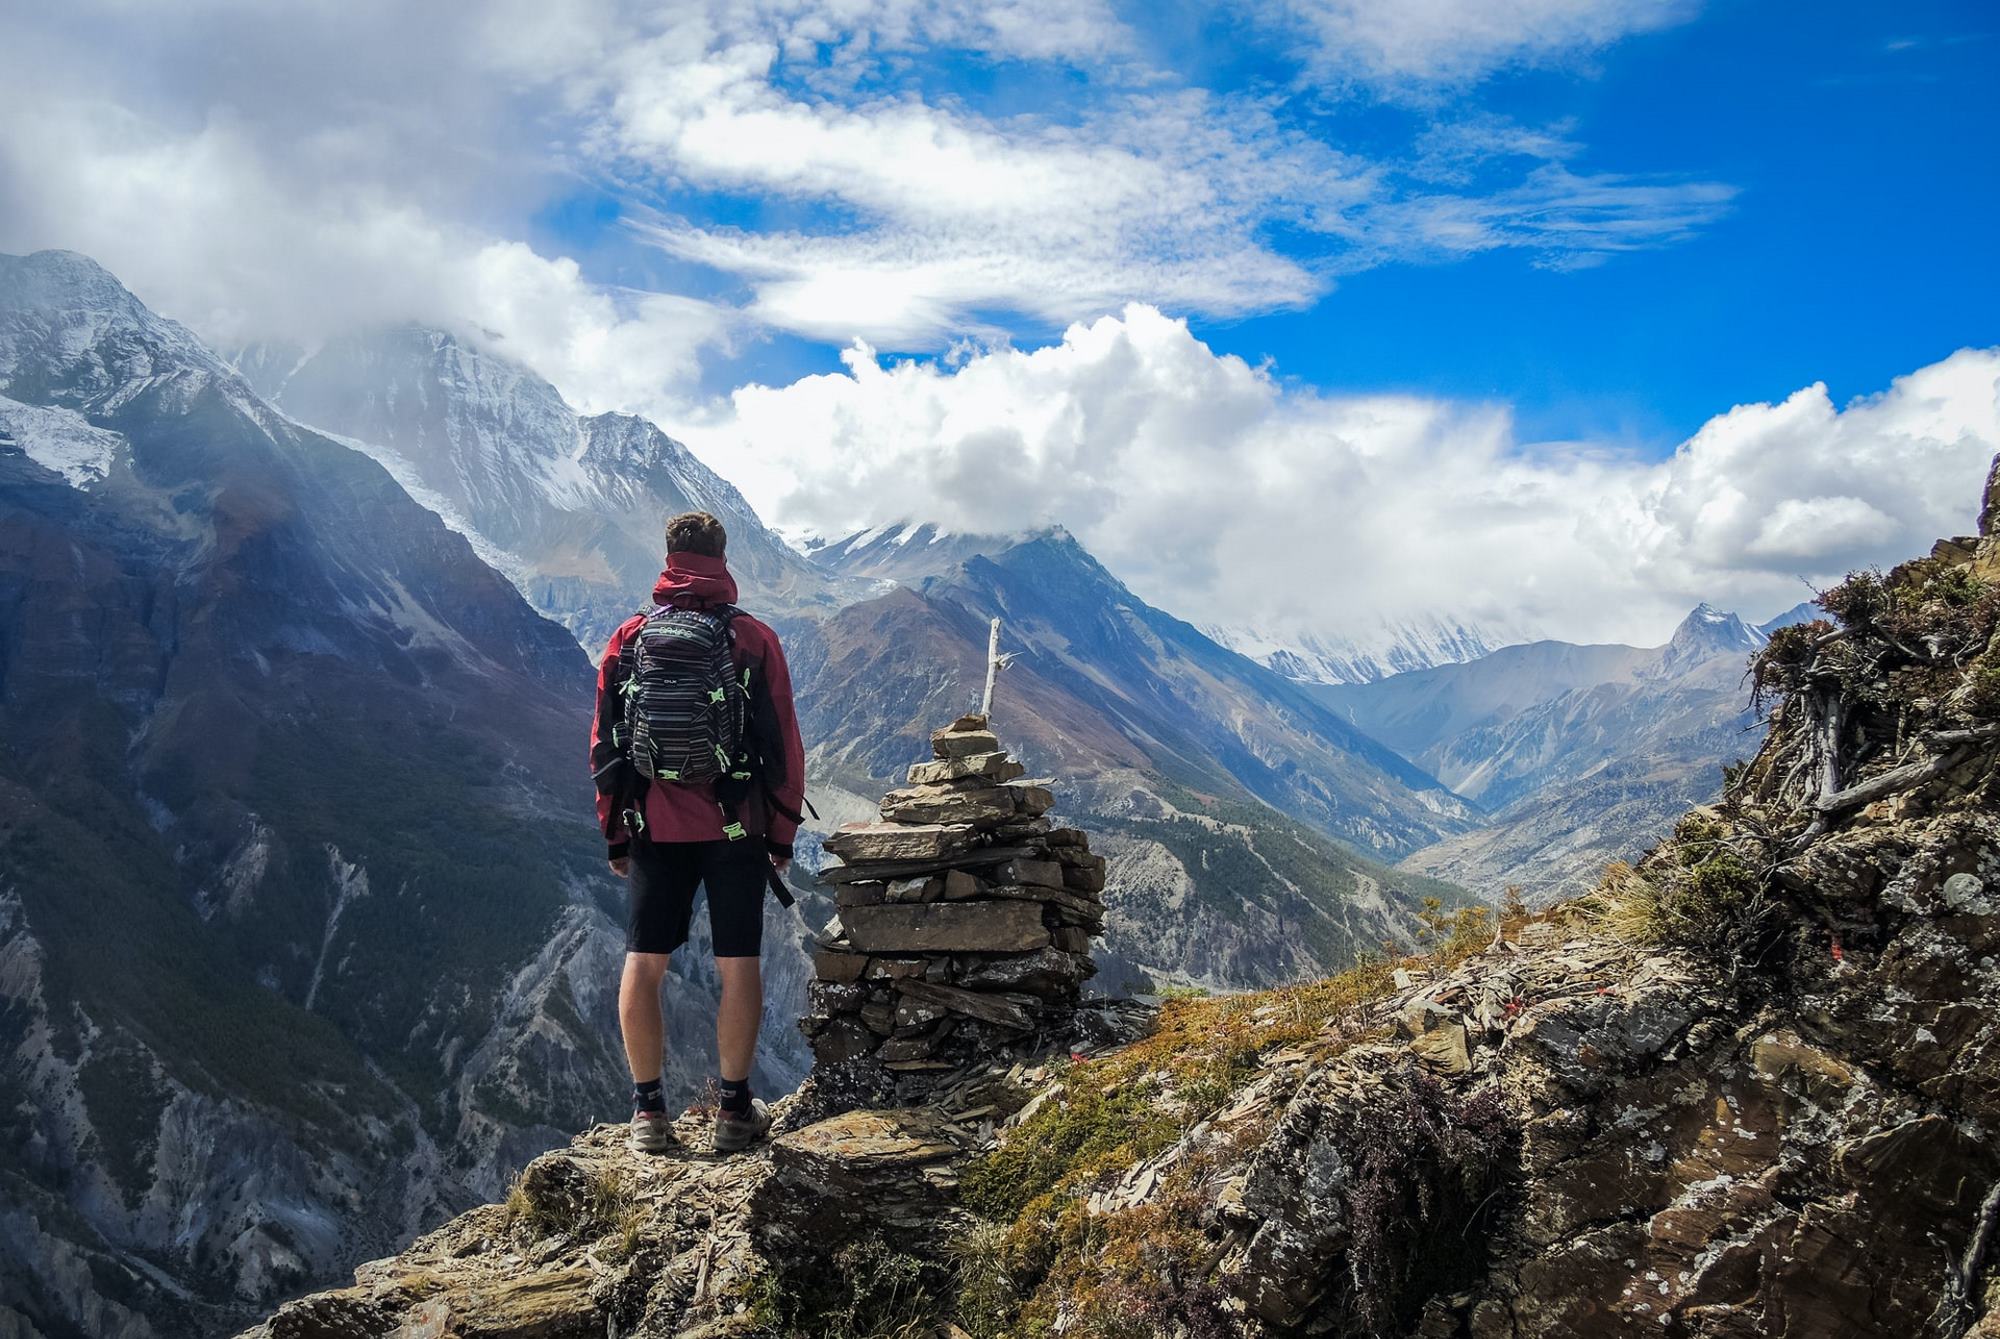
[1226, 498]
[921, 217]
[1567, 220]
[301, 168]
[211, 221]
[1412, 43]
[941, 214]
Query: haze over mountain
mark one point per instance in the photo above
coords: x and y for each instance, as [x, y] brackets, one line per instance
[569, 505]
[1582, 754]
[1110, 682]
[1365, 653]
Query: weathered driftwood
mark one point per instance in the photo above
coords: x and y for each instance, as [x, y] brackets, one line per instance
[1893, 781]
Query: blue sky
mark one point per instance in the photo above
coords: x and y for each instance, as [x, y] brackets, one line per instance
[1855, 139]
[1309, 317]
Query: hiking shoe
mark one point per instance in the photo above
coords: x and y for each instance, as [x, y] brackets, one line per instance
[652, 1132]
[735, 1133]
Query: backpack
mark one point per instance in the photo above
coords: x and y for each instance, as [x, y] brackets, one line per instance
[686, 703]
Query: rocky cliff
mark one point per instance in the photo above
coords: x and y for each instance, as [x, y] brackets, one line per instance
[1746, 1087]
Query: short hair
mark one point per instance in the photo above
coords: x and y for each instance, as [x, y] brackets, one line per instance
[696, 532]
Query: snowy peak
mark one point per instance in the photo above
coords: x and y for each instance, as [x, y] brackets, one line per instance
[423, 392]
[1366, 650]
[570, 507]
[625, 447]
[71, 334]
[1707, 632]
[908, 552]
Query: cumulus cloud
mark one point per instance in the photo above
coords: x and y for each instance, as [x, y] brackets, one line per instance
[1228, 498]
[297, 170]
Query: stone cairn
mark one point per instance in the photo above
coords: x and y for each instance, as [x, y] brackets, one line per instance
[964, 916]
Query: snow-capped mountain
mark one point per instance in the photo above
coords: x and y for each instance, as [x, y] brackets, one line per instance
[1705, 633]
[906, 552]
[1368, 650]
[569, 506]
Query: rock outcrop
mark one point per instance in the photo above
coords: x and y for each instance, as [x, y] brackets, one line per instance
[964, 919]
[1748, 1087]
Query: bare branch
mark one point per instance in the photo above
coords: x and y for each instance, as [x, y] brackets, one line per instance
[1891, 782]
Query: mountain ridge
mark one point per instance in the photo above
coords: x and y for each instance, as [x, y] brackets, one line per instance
[1581, 754]
[342, 947]
[1688, 1103]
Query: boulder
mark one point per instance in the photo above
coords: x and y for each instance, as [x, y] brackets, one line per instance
[1043, 873]
[985, 806]
[964, 743]
[860, 842]
[1046, 971]
[849, 1174]
[1033, 801]
[832, 965]
[874, 870]
[1083, 879]
[948, 927]
[984, 766]
[974, 1004]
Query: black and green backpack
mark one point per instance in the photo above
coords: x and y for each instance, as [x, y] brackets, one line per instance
[687, 706]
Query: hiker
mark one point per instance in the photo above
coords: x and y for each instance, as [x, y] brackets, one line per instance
[700, 774]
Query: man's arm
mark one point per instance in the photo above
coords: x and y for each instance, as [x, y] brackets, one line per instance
[607, 760]
[787, 782]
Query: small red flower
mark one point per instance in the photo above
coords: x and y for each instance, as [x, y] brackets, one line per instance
[1837, 954]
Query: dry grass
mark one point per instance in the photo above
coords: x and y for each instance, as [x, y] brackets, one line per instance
[1046, 1262]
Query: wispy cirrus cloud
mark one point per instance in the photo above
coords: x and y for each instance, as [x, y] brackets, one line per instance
[831, 170]
[936, 218]
[1420, 47]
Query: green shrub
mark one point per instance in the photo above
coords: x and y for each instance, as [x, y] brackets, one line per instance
[1428, 1166]
[871, 1290]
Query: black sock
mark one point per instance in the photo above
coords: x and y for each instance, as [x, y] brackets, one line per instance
[647, 1097]
[735, 1095]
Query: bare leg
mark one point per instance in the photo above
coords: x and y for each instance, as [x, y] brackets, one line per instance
[736, 1020]
[639, 1014]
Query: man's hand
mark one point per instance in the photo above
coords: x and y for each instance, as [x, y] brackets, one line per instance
[781, 863]
[622, 866]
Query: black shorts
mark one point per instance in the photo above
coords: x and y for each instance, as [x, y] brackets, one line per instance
[663, 880]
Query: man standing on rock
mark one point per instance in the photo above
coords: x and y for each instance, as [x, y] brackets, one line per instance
[700, 774]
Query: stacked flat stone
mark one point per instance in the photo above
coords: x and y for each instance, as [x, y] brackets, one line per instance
[964, 916]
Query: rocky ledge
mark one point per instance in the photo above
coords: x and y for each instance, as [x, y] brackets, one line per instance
[1749, 1086]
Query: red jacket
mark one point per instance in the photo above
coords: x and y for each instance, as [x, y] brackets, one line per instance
[689, 813]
